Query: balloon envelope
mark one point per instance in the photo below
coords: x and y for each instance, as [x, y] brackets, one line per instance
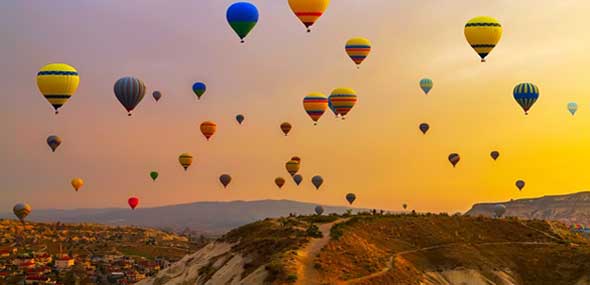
[292, 167]
[53, 142]
[358, 49]
[133, 202]
[350, 197]
[57, 82]
[483, 34]
[157, 95]
[298, 179]
[424, 127]
[154, 175]
[208, 129]
[526, 94]
[495, 154]
[520, 184]
[21, 211]
[454, 158]
[317, 181]
[242, 17]
[199, 89]
[426, 84]
[286, 128]
[315, 104]
[280, 181]
[225, 179]
[342, 100]
[129, 91]
[319, 210]
[185, 159]
[77, 183]
[572, 107]
[308, 11]
[499, 210]
[240, 118]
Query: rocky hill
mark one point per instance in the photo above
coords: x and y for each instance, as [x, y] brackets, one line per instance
[570, 209]
[389, 249]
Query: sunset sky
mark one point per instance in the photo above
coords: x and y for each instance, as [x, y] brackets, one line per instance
[377, 152]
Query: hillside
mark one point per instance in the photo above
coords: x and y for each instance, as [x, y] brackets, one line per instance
[203, 217]
[391, 249]
[570, 209]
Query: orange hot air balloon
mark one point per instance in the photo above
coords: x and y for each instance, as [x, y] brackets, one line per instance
[280, 181]
[77, 183]
[208, 128]
[133, 202]
[308, 11]
[286, 128]
[292, 167]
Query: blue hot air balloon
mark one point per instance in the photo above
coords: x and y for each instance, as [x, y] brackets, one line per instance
[242, 17]
[526, 94]
[426, 84]
[572, 107]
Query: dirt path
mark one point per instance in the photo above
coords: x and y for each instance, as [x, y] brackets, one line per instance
[306, 273]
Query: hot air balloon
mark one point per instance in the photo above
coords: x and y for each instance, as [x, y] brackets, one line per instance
[308, 11]
[331, 107]
[405, 206]
[426, 84]
[358, 49]
[57, 82]
[21, 211]
[315, 105]
[280, 181]
[424, 127]
[526, 94]
[520, 184]
[483, 34]
[154, 175]
[454, 158]
[286, 128]
[319, 210]
[157, 95]
[129, 92]
[199, 89]
[185, 159]
[572, 107]
[225, 179]
[240, 118]
[296, 158]
[77, 183]
[133, 202]
[242, 17]
[342, 100]
[292, 167]
[350, 197]
[495, 154]
[53, 142]
[499, 210]
[208, 128]
[317, 181]
[297, 178]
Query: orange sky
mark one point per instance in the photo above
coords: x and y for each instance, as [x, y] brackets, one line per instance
[377, 152]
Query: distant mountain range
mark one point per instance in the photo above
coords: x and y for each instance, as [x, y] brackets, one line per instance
[204, 217]
[570, 209]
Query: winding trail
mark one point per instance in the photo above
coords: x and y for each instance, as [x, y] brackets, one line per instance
[306, 273]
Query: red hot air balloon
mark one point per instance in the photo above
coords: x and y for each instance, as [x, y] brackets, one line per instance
[133, 202]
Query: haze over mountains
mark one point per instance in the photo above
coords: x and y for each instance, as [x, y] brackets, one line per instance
[205, 217]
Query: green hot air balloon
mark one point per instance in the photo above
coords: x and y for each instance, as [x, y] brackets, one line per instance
[154, 175]
[242, 17]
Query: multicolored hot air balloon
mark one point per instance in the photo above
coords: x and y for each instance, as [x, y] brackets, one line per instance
[499, 210]
[185, 159]
[315, 104]
[292, 167]
[331, 107]
[317, 181]
[129, 92]
[298, 179]
[240, 118]
[424, 127]
[77, 183]
[21, 211]
[133, 202]
[242, 17]
[526, 94]
[350, 197]
[495, 154]
[572, 107]
[225, 179]
[53, 142]
[426, 84]
[286, 128]
[358, 49]
[154, 175]
[57, 82]
[319, 210]
[520, 184]
[308, 11]
[157, 95]
[280, 181]
[342, 100]
[199, 89]
[483, 34]
[454, 158]
[208, 129]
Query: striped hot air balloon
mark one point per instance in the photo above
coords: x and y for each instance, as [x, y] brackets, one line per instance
[309, 11]
[57, 82]
[342, 100]
[526, 94]
[483, 34]
[129, 91]
[315, 104]
[358, 49]
[53, 142]
[426, 84]
[21, 211]
[185, 159]
[292, 167]
[208, 129]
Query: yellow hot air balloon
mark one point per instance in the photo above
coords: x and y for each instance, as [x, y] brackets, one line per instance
[308, 11]
[185, 159]
[292, 166]
[77, 183]
[57, 82]
[483, 34]
[358, 49]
